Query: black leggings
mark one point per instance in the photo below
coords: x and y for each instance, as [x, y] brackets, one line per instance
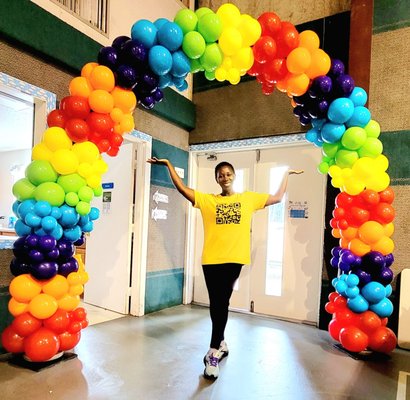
[220, 279]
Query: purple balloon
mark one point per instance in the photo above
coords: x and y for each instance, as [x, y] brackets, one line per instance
[336, 251]
[305, 119]
[358, 261]
[134, 53]
[344, 85]
[158, 95]
[147, 102]
[389, 258]
[385, 276]
[66, 248]
[108, 56]
[373, 260]
[322, 84]
[364, 277]
[323, 105]
[71, 265]
[119, 42]
[344, 266]
[126, 76]
[44, 270]
[149, 82]
[32, 240]
[47, 242]
[35, 255]
[80, 241]
[18, 267]
[336, 68]
[53, 254]
[297, 111]
[348, 258]
[20, 243]
[334, 262]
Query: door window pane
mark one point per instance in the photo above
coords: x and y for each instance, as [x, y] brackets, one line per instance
[276, 230]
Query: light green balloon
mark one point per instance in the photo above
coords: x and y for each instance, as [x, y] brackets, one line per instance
[210, 75]
[323, 167]
[203, 11]
[212, 57]
[83, 208]
[72, 199]
[71, 182]
[98, 191]
[40, 171]
[23, 189]
[330, 149]
[346, 158]
[51, 192]
[196, 66]
[186, 19]
[372, 129]
[193, 44]
[372, 147]
[86, 194]
[210, 27]
[354, 138]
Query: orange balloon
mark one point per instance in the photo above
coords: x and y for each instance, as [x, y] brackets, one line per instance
[87, 69]
[68, 302]
[349, 233]
[43, 306]
[24, 288]
[298, 60]
[127, 123]
[298, 84]
[336, 233]
[124, 99]
[320, 64]
[116, 114]
[16, 308]
[102, 77]
[101, 101]
[357, 247]
[80, 86]
[56, 287]
[344, 243]
[309, 40]
[389, 229]
[385, 246]
[371, 232]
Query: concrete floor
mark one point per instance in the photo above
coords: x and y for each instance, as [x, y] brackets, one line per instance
[159, 356]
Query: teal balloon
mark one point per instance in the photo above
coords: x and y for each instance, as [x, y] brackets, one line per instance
[23, 189]
[160, 22]
[160, 60]
[40, 171]
[170, 35]
[145, 32]
[361, 117]
[180, 64]
[72, 234]
[42, 208]
[358, 304]
[49, 223]
[332, 133]
[51, 192]
[340, 110]
[25, 207]
[32, 220]
[373, 292]
[384, 308]
[21, 228]
[358, 96]
[165, 81]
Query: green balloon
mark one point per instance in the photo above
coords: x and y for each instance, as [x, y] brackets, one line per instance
[196, 66]
[86, 194]
[71, 182]
[23, 189]
[40, 171]
[354, 138]
[203, 11]
[51, 192]
[212, 57]
[186, 19]
[72, 199]
[83, 208]
[210, 75]
[372, 147]
[346, 158]
[98, 191]
[210, 27]
[330, 149]
[193, 44]
[323, 167]
[372, 129]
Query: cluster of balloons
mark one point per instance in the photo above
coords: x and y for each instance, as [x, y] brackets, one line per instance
[48, 319]
[359, 331]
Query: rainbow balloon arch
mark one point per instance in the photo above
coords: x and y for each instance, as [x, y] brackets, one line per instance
[53, 207]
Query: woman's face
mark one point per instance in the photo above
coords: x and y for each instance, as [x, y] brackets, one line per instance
[225, 178]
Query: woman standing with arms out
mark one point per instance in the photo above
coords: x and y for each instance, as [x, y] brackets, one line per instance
[227, 222]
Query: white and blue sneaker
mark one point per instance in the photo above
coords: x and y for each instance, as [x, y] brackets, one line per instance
[211, 361]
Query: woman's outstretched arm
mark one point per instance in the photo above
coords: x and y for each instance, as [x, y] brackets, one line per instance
[186, 191]
[278, 196]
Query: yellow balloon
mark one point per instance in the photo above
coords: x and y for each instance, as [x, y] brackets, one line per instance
[382, 162]
[127, 123]
[84, 169]
[335, 171]
[86, 152]
[56, 287]
[64, 161]
[309, 40]
[385, 246]
[220, 74]
[24, 288]
[363, 168]
[74, 278]
[80, 86]
[43, 306]
[56, 138]
[230, 41]
[243, 59]
[233, 76]
[93, 181]
[41, 152]
[16, 308]
[353, 186]
[68, 302]
[337, 182]
[229, 15]
[84, 277]
[371, 232]
[100, 166]
[250, 29]
[116, 114]
[389, 229]
[76, 290]
[379, 182]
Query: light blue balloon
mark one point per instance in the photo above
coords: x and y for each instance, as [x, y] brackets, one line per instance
[177, 81]
[159, 22]
[84, 219]
[340, 110]
[40, 232]
[165, 81]
[56, 212]
[341, 287]
[373, 292]
[182, 87]
[73, 233]
[33, 220]
[318, 123]
[389, 290]
[57, 232]
[21, 228]
[69, 217]
[181, 65]
[358, 96]
[352, 280]
[319, 141]
[25, 207]
[334, 281]
[94, 213]
[312, 134]
[15, 207]
[361, 117]
[352, 292]
[145, 32]
[332, 133]
[42, 208]
[358, 304]
[88, 227]
[160, 60]
[49, 223]
[383, 308]
[170, 35]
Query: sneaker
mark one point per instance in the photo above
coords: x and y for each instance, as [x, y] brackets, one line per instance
[223, 348]
[211, 361]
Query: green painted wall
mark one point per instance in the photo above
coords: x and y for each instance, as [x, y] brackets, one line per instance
[390, 15]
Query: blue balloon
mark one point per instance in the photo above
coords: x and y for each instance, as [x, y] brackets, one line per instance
[72, 234]
[56, 212]
[145, 32]
[312, 134]
[88, 227]
[49, 223]
[42, 208]
[69, 217]
[389, 290]
[170, 35]
[32, 220]
[352, 292]
[165, 81]
[181, 65]
[94, 213]
[373, 292]
[15, 207]
[383, 308]
[160, 60]
[21, 228]
[331, 133]
[352, 280]
[361, 117]
[358, 304]
[340, 110]
[57, 232]
[25, 207]
[358, 96]
[159, 22]
[340, 287]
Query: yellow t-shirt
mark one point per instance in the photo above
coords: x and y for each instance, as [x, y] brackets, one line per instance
[227, 225]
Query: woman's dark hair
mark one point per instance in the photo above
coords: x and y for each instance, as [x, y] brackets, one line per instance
[221, 165]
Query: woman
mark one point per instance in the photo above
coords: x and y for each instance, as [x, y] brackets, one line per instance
[227, 221]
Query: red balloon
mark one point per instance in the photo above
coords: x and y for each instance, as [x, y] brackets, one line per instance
[113, 151]
[353, 339]
[275, 70]
[255, 70]
[369, 322]
[84, 323]
[270, 24]
[74, 327]
[25, 324]
[103, 145]
[384, 213]
[342, 224]
[383, 340]
[56, 118]
[41, 345]
[340, 302]
[77, 130]
[334, 329]
[330, 307]
[79, 314]
[371, 197]
[358, 216]
[344, 200]
[339, 212]
[264, 49]
[100, 123]
[75, 107]
[58, 322]
[68, 340]
[387, 195]
[116, 140]
[267, 89]
[287, 39]
[345, 317]
[332, 296]
[11, 341]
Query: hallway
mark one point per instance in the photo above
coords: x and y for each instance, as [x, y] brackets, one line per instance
[159, 356]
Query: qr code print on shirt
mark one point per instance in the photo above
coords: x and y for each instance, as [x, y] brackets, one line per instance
[228, 213]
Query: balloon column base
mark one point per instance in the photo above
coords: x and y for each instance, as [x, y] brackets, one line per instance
[366, 355]
[18, 360]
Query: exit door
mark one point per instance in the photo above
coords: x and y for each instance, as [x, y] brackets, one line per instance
[283, 279]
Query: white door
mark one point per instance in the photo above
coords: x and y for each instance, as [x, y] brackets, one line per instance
[108, 250]
[284, 284]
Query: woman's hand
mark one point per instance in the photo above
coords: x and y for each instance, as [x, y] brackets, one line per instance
[296, 172]
[158, 161]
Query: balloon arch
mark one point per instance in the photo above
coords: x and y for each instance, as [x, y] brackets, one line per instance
[53, 200]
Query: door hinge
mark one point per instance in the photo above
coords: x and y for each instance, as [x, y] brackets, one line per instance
[252, 306]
